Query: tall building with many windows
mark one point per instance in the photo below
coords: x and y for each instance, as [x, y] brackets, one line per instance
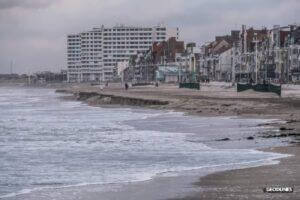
[93, 55]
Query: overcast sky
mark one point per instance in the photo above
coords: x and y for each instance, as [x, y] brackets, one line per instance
[33, 32]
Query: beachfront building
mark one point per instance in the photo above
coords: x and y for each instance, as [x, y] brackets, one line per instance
[93, 55]
[224, 67]
[141, 68]
[294, 60]
[217, 57]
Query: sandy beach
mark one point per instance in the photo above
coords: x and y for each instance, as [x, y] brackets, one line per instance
[249, 183]
[216, 99]
[260, 121]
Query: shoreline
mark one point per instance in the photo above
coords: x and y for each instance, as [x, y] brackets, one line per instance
[183, 185]
[284, 149]
[187, 182]
[201, 103]
[248, 183]
[292, 124]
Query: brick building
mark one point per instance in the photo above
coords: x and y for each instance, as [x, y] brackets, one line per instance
[165, 52]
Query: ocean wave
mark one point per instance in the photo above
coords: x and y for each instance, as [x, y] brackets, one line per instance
[59, 141]
[163, 173]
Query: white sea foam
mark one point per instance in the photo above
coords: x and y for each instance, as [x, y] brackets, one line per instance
[21, 192]
[77, 145]
[167, 173]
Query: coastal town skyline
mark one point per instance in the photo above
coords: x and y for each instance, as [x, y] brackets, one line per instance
[34, 33]
[151, 100]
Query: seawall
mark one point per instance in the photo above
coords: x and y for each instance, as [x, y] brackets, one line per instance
[96, 98]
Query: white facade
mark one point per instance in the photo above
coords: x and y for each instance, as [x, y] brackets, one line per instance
[122, 66]
[225, 65]
[93, 55]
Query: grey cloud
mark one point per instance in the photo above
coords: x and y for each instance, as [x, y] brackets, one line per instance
[35, 38]
[31, 4]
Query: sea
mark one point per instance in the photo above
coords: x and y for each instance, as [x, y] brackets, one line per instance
[49, 145]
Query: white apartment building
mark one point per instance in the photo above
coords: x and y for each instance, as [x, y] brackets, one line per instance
[93, 55]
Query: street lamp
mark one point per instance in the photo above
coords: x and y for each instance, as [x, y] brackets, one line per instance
[256, 57]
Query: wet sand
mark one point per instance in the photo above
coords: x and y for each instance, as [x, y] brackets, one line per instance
[214, 99]
[249, 183]
[223, 100]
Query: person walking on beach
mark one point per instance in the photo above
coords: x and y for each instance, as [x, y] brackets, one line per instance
[264, 82]
[251, 81]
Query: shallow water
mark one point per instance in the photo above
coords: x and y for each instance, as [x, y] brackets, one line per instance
[49, 143]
